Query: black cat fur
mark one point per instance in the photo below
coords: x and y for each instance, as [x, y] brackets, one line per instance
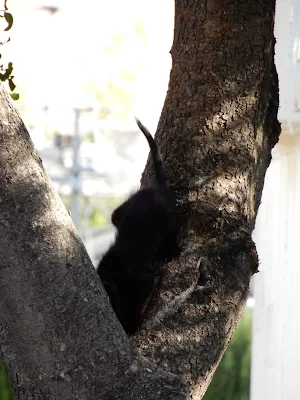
[147, 229]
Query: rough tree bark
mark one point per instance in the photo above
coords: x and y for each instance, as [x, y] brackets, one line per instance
[59, 337]
[216, 131]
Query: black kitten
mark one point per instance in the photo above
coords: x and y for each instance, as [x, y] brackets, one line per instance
[147, 229]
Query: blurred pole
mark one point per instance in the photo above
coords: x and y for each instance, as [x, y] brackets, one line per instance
[76, 181]
[45, 109]
[76, 171]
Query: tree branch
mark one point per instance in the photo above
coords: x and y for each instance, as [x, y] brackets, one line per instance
[217, 129]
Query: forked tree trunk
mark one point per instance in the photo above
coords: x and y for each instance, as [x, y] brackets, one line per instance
[58, 335]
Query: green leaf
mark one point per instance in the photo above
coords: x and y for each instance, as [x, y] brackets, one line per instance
[9, 20]
[15, 96]
[11, 84]
[7, 73]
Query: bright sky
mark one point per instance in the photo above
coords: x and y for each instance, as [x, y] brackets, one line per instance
[69, 57]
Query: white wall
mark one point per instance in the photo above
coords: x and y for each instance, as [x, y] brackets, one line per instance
[276, 327]
[275, 363]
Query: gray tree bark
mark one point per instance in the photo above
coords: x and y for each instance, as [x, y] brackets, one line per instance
[58, 334]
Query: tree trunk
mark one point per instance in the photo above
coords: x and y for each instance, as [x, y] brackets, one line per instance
[217, 129]
[59, 337]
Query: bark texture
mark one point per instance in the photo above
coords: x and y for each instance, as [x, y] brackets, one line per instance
[59, 337]
[216, 132]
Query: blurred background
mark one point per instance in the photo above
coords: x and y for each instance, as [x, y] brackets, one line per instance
[83, 71]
